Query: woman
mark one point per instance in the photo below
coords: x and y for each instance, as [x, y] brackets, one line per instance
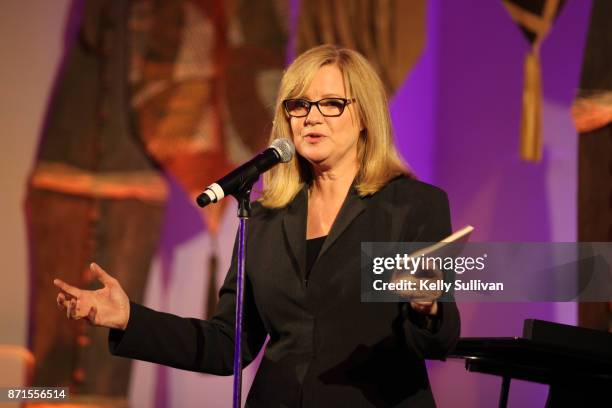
[346, 185]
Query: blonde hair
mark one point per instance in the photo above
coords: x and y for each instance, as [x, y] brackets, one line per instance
[377, 155]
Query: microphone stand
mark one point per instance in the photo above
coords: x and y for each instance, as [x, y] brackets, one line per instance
[245, 176]
[244, 212]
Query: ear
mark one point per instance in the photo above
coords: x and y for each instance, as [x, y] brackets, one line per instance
[363, 133]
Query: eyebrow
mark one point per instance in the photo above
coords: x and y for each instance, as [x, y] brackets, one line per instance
[324, 96]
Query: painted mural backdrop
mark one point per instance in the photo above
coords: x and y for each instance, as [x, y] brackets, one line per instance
[148, 90]
[390, 34]
[592, 112]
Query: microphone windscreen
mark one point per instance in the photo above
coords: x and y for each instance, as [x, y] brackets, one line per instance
[284, 148]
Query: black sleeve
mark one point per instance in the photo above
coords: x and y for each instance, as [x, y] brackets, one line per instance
[189, 343]
[433, 337]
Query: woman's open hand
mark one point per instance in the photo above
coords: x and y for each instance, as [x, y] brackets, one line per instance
[107, 307]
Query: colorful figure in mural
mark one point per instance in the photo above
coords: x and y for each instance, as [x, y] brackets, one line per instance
[147, 88]
[592, 113]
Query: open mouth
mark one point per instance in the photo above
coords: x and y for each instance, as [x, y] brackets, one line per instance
[313, 136]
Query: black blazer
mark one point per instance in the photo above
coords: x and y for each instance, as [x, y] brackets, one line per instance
[326, 348]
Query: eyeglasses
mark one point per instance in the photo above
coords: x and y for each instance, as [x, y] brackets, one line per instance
[299, 108]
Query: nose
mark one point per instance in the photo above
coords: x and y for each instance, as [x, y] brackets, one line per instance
[314, 116]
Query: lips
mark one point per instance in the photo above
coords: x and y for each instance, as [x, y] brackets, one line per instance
[313, 136]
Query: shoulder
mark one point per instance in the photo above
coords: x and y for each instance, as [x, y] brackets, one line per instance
[259, 212]
[404, 189]
[298, 203]
[262, 215]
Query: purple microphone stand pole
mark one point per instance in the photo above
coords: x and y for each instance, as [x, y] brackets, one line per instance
[244, 212]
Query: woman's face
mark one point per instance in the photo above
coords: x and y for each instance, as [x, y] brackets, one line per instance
[327, 142]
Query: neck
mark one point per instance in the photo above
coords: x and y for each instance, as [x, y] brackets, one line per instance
[333, 183]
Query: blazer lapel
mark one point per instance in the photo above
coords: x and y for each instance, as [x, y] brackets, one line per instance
[353, 206]
[294, 228]
[294, 224]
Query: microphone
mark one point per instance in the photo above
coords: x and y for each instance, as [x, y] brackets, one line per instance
[280, 151]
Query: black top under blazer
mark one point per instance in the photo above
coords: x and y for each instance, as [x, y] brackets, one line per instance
[326, 347]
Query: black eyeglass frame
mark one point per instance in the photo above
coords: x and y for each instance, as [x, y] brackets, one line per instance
[346, 101]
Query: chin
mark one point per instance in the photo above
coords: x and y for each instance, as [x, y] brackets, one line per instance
[315, 159]
[313, 155]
